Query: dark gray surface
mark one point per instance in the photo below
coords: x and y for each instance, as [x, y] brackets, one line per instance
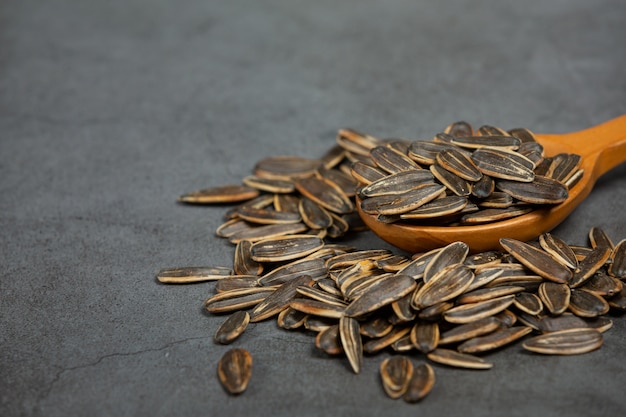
[111, 109]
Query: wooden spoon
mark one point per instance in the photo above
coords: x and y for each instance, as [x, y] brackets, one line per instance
[602, 148]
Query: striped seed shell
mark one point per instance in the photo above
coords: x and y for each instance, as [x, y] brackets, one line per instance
[290, 319]
[528, 302]
[487, 142]
[469, 330]
[453, 253]
[541, 190]
[505, 165]
[221, 194]
[590, 265]
[285, 248]
[383, 292]
[494, 340]
[425, 336]
[437, 208]
[243, 264]
[599, 237]
[445, 285]
[565, 321]
[453, 182]
[286, 167]
[617, 268]
[603, 284]
[365, 173]
[193, 274]
[314, 215]
[375, 327]
[329, 341]
[398, 183]
[397, 333]
[234, 370]
[233, 300]
[279, 299]
[268, 184]
[523, 134]
[255, 234]
[351, 342]
[489, 293]
[314, 267]
[554, 296]
[537, 260]
[457, 359]
[237, 282]
[587, 304]
[325, 193]
[425, 152]
[395, 375]
[459, 163]
[356, 142]
[467, 313]
[559, 250]
[232, 327]
[565, 342]
[392, 161]
[317, 308]
[401, 203]
[421, 383]
[459, 128]
[494, 215]
[483, 187]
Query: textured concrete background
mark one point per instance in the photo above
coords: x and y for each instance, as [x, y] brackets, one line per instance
[111, 109]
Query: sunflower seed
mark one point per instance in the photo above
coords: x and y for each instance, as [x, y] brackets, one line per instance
[401, 203]
[541, 190]
[333, 156]
[220, 194]
[451, 254]
[356, 142]
[232, 226]
[258, 233]
[286, 167]
[559, 250]
[549, 324]
[291, 319]
[268, 184]
[329, 341]
[318, 323]
[459, 163]
[319, 295]
[555, 297]
[403, 310]
[453, 182]
[279, 299]
[494, 215]
[528, 302]
[365, 173]
[587, 304]
[537, 260]
[232, 327]
[243, 263]
[234, 370]
[392, 161]
[390, 338]
[383, 292]
[421, 383]
[193, 274]
[494, 340]
[484, 294]
[325, 193]
[523, 134]
[395, 374]
[287, 203]
[418, 265]
[437, 208]
[237, 282]
[563, 166]
[425, 152]
[315, 268]
[285, 248]
[588, 266]
[603, 284]
[459, 128]
[398, 183]
[457, 359]
[565, 342]
[425, 336]
[445, 285]
[233, 300]
[483, 187]
[470, 330]
[617, 268]
[487, 142]
[435, 312]
[488, 130]
[467, 313]
[351, 342]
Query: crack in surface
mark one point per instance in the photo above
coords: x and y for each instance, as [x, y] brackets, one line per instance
[48, 389]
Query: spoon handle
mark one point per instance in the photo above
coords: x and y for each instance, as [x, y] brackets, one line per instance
[603, 145]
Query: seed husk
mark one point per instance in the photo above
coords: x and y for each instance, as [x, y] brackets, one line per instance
[497, 199]
[317, 308]
[603, 284]
[425, 336]
[329, 341]
[234, 370]
[523, 134]
[453, 253]
[541, 190]
[279, 299]
[365, 173]
[587, 304]
[559, 250]
[356, 142]
[489, 142]
[243, 263]
[504, 165]
[398, 183]
[437, 208]
[435, 312]
[425, 152]
[418, 265]
[317, 323]
[488, 130]
[232, 226]
[234, 300]
[314, 215]
[191, 274]
[401, 203]
[459, 163]
[458, 359]
[351, 342]
[563, 166]
[528, 302]
[453, 182]
[494, 340]
[265, 216]
[554, 296]
[494, 215]
[231, 193]
[470, 330]
[403, 310]
[290, 319]
[237, 282]
[319, 295]
[537, 260]
[459, 128]
[333, 156]
[467, 313]
[421, 383]
[588, 266]
[284, 248]
[383, 292]
[565, 342]
[269, 185]
[286, 167]
[617, 268]
[445, 285]
[314, 267]
[232, 327]
[268, 231]
[565, 321]
[392, 161]
[343, 180]
[397, 333]
[287, 203]
[325, 193]
[483, 187]
[484, 294]
[395, 374]
[618, 301]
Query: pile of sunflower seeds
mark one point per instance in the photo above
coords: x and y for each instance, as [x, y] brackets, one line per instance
[446, 304]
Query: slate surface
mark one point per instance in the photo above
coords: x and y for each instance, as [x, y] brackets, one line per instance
[111, 109]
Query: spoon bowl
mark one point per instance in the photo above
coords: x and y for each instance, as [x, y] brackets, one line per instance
[602, 147]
